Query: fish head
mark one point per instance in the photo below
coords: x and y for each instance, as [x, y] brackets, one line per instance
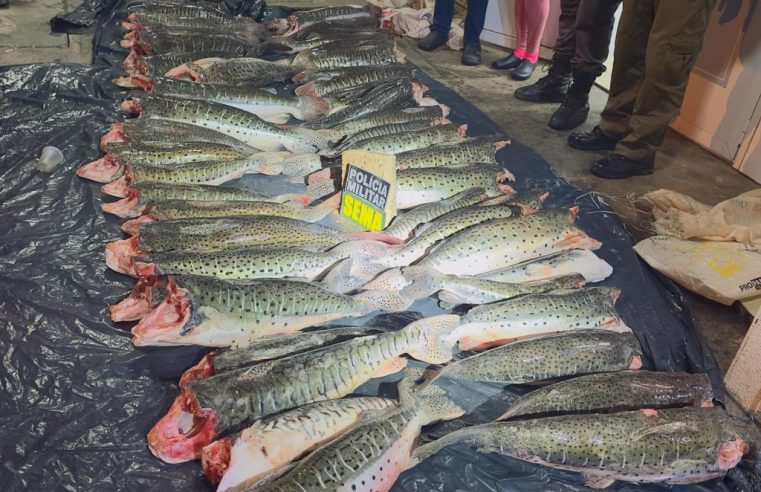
[126, 208]
[132, 226]
[169, 320]
[119, 254]
[575, 238]
[104, 170]
[114, 134]
[131, 105]
[119, 187]
[142, 300]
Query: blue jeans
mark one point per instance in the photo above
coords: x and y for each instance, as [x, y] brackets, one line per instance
[474, 21]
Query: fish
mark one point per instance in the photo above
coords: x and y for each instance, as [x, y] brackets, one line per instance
[427, 235]
[332, 27]
[418, 186]
[200, 173]
[230, 121]
[150, 66]
[140, 20]
[167, 134]
[294, 44]
[142, 299]
[243, 264]
[141, 195]
[397, 94]
[348, 77]
[571, 353]
[399, 142]
[615, 392]
[479, 150]
[305, 18]
[202, 10]
[273, 442]
[172, 41]
[581, 261]
[374, 454]
[248, 72]
[277, 346]
[434, 114]
[673, 446]
[186, 209]
[499, 243]
[379, 132]
[459, 289]
[349, 56]
[120, 155]
[403, 225]
[217, 234]
[217, 313]
[270, 107]
[227, 402]
[539, 314]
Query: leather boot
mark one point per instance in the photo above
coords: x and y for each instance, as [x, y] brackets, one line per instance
[575, 108]
[553, 87]
[431, 41]
[593, 140]
[471, 54]
[523, 71]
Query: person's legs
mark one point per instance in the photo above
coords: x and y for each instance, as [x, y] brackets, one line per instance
[628, 71]
[672, 48]
[553, 86]
[521, 29]
[594, 27]
[474, 24]
[536, 14]
[443, 14]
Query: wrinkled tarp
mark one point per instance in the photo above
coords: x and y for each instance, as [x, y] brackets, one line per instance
[78, 398]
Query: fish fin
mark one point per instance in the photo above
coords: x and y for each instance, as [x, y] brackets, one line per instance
[275, 119]
[319, 190]
[422, 281]
[390, 302]
[378, 236]
[301, 164]
[270, 90]
[598, 482]
[311, 107]
[436, 405]
[307, 89]
[451, 299]
[391, 366]
[329, 205]
[391, 280]
[435, 342]
[476, 437]
[338, 279]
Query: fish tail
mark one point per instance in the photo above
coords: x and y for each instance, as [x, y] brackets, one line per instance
[436, 405]
[422, 281]
[311, 107]
[435, 340]
[390, 302]
[474, 437]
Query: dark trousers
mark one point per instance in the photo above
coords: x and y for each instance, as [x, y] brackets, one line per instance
[584, 33]
[474, 21]
[657, 44]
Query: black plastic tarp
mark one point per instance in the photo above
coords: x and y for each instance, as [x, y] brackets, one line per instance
[78, 398]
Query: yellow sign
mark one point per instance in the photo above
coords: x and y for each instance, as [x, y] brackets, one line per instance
[369, 188]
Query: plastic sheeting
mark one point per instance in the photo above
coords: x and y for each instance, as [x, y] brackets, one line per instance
[78, 398]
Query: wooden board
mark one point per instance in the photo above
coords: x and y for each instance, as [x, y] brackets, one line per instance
[743, 379]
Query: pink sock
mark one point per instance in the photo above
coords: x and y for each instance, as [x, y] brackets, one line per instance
[520, 53]
[532, 57]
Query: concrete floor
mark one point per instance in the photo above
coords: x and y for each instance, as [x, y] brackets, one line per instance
[681, 166]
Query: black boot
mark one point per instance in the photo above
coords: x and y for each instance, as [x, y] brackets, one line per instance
[575, 109]
[552, 87]
[431, 41]
[471, 55]
[592, 140]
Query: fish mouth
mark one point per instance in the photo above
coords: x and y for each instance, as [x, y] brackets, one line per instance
[215, 459]
[104, 170]
[167, 322]
[119, 255]
[139, 303]
[181, 434]
[126, 208]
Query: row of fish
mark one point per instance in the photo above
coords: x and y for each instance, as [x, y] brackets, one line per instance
[272, 281]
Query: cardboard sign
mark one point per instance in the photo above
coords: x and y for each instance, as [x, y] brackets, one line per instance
[369, 188]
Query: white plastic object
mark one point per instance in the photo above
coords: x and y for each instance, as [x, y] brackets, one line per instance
[50, 158]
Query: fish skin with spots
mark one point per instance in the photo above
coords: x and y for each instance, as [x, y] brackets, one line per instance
[626, 390]
[224, 403]
[221, 313]
[499, 243]
[549, 357]
[540, 314]
[672, 446]
[479, 150]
